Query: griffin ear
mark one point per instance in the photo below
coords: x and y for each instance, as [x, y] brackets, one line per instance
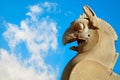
[88, 11]
[91, 16]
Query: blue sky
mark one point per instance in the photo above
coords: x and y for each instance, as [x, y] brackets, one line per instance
[31, 33]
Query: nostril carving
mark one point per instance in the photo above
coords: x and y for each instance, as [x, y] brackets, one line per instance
[78, 27]
[81, 26]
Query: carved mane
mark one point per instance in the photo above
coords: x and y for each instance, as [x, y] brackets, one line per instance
[107, 28]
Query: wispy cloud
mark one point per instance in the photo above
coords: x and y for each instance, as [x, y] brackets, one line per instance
[68, 13]
[39, 36]
[51, 7]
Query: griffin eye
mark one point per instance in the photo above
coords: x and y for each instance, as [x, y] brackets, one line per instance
[88, 35]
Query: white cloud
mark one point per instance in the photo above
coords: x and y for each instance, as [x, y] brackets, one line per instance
[39, 36]
[12, 69]
[43, 8]
[36, 9]
[50, 7]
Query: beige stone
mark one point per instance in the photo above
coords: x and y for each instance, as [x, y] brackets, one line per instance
[96, 50]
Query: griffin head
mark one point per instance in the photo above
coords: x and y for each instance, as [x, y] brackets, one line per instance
[82, 30]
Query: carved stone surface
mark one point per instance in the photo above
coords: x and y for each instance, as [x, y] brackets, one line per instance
[96, 50]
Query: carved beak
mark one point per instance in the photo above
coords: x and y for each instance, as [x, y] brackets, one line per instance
[71, 34]
[68, 37]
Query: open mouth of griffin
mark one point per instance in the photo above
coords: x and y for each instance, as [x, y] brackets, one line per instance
[81, 42]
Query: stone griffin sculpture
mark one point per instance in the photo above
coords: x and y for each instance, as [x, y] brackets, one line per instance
[96, 50]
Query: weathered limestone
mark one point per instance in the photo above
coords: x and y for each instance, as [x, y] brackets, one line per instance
[91, 70]
[96, 50]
